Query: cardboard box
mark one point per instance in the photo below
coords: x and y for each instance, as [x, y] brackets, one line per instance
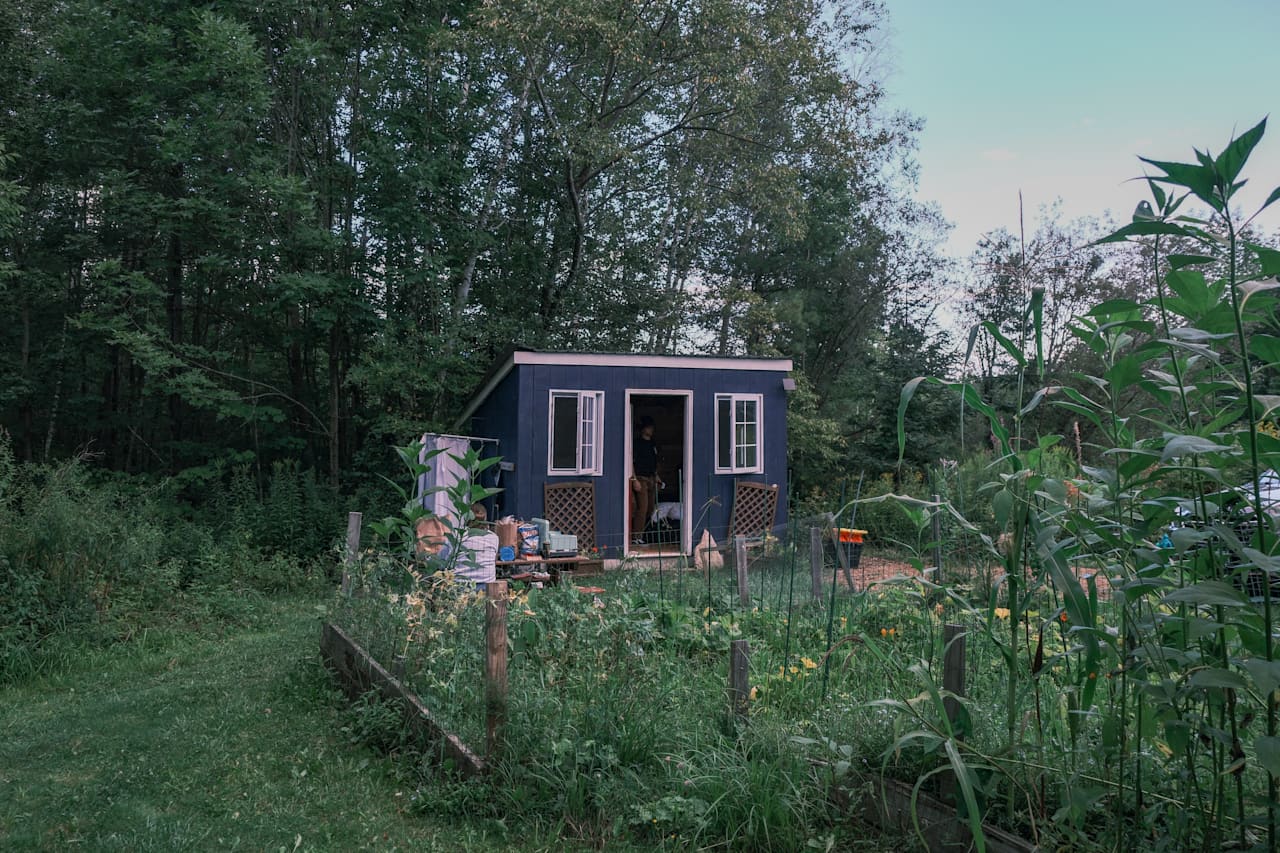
[508, 530]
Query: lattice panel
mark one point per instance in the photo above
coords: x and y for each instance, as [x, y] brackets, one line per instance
[754, 507]
[571, 508]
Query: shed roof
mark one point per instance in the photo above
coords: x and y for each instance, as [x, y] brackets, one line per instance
[605, 359]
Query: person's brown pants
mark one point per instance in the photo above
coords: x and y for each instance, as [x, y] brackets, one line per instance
[644, 500]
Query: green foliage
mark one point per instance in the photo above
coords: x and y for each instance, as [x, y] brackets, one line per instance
[302, 232]
[815, 445]
[101, 557]
[615, 724]
[889, 522]
[1167, 507]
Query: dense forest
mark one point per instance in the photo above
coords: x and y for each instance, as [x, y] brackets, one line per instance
[240, 233]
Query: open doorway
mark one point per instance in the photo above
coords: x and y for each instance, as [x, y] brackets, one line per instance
[663, 528]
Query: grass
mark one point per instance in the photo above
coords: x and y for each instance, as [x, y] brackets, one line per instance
[221, 737]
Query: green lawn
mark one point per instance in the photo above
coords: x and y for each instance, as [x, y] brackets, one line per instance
[207, 738]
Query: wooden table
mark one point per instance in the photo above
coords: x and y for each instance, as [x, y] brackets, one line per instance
[551, 565]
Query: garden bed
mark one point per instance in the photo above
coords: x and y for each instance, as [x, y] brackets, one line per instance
[616, 713]
[887, 803]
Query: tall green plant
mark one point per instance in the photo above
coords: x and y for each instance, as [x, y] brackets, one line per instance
[1168, 510]
[398, 533]
[1227, 310]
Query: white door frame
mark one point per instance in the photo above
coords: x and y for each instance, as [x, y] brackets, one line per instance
[686, 510]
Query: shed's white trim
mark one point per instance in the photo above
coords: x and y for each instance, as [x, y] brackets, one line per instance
[686, 514]
[698, 362]
[694, 362]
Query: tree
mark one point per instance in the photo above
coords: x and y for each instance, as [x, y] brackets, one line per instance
[304, 229]
[1061, 261]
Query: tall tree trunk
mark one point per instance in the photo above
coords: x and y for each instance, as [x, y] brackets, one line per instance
[173, 307]
[726, 315]
[490, 201]
[24, 406]
[58, 363]
[335, 403]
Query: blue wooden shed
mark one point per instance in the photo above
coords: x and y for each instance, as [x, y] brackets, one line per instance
[570, 418]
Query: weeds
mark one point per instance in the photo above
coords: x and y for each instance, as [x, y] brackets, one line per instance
[88, 559]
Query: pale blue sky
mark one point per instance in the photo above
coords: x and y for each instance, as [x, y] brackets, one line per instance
[1059, 98]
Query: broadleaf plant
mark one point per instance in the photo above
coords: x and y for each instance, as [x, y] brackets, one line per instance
[1178, 671]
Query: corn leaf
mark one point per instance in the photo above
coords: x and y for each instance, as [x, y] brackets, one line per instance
[1207, 593]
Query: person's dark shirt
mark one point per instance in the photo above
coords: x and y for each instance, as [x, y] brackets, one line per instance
[644, 457]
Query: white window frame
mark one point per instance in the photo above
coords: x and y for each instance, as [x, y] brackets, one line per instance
[734, 467]
[592, 428]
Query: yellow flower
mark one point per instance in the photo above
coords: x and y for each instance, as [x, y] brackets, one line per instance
[793, 669]
[1002, 613]
[755, 693]
[808, 664]
[884, 632]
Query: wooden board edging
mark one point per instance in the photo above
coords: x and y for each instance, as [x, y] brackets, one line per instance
[887, 804]
[358, 673]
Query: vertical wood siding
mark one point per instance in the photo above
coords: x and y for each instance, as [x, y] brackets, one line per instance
[516, 414]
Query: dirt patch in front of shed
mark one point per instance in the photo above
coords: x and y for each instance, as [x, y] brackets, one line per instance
[872, 569]
[875, 569]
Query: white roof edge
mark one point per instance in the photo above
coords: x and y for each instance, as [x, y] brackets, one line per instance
[702, 362]
[782, 365]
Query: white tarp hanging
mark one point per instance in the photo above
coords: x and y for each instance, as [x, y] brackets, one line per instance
[444, 473]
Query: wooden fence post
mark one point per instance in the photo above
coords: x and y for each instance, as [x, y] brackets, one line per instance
[740, 563]
[815, 562]
[953, 664]
[843, 558]
[495, 666]
[937, 539]
[353, 549]
[739, 688]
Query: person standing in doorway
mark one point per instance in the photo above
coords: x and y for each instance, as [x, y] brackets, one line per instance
[644, 478]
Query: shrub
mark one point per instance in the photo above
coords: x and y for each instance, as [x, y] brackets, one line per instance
[94, 554]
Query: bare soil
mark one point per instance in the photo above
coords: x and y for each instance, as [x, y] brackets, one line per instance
[876, 569]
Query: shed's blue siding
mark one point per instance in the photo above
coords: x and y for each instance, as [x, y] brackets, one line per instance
[493, 420]
[516, 413]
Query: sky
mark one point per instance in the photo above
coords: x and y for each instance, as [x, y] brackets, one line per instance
[1057, 98]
